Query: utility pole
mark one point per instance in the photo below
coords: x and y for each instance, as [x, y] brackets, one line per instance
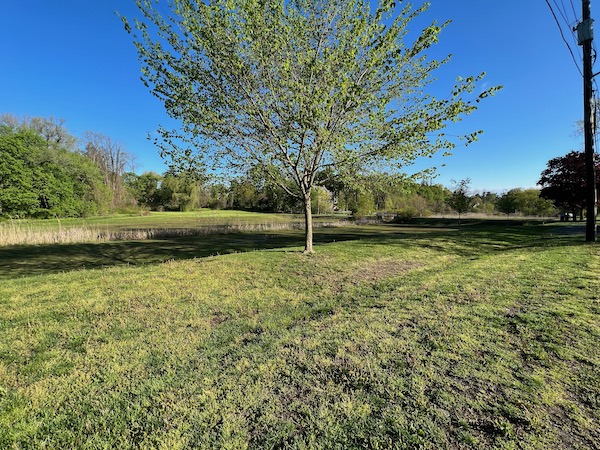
[585, 35]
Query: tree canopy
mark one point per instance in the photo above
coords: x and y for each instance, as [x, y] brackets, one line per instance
[112, 159]
[294, 87]
[508, 203]
[40, 178]
[459, 200]
[564, 182]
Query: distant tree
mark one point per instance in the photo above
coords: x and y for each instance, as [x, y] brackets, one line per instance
[113, 160]
[413, 205]
[243, 194]
[180, 192]
[10, 121]
[295, 87]
[332, 181]
[508, 203]
[485, 202]
[144, 188]
[459, 200]
[476, 202]
[256, 192]
[17, 172]
[322, 201]
[564, 182]
[488, 202]
[52, 130]
[529, 203]
[218, 196]
[435, 195]
[389, 193]
[38, 179]
[363, 205]
[489, 197]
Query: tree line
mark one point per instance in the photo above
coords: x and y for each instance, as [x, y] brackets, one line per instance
[392, 197]
[47, 172]
[395, 196]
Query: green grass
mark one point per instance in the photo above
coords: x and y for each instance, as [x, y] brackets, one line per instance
[152, 219]
[387, 337]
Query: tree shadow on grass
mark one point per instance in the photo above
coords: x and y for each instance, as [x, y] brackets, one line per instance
[23, 260]
[27, 260]
[489, 239]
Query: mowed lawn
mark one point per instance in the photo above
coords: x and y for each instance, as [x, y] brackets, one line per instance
[388, 337]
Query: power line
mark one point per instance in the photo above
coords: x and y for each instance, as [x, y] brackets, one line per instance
[564, 14]
[562, 11]
[573, 8]
[569, 23]
[563, 36]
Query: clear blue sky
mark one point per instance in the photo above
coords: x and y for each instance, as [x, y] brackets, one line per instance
[72, 59]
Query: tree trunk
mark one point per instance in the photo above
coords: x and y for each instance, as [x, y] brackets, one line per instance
[308, 229]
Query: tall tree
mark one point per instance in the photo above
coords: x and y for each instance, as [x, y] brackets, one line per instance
[459, 200]
[52, 130]
[144, 188]
[180, 192]
[529, 203]
[17, 196]
[563, 181]
[42, 180]
[113, 160]
[508, 203]
[294, 87]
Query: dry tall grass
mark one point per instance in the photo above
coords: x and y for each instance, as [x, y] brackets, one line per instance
[11, 234]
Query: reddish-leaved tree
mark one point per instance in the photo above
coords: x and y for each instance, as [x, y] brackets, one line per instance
[563, 182]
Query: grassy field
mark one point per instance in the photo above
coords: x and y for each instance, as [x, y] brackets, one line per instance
[401, 337]
[155, 219]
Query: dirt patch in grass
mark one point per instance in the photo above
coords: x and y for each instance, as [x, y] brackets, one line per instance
[379, 270]
[369, 274]
[323, 275]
